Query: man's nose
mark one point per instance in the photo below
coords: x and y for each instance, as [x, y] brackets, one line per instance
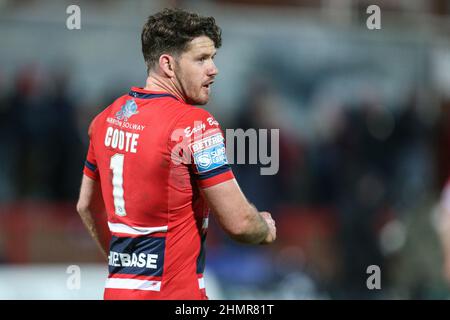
[213, 70]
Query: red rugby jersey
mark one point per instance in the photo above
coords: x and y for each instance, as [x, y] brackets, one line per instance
[152, 153]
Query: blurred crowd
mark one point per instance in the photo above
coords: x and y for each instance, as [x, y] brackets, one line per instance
[352, 193]
[41, 149]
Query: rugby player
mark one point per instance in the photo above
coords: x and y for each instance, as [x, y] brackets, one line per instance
[156, 165]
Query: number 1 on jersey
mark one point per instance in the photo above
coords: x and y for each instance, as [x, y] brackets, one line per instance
[116, 166]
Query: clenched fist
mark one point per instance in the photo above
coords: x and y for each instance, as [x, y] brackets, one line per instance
[272, 234]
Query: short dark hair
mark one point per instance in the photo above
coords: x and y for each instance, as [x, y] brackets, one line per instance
[170, 31]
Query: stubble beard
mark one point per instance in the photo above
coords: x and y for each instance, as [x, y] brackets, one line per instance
[189, 99]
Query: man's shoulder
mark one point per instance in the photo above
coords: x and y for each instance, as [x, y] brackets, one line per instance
[193, 113]
[195, 123]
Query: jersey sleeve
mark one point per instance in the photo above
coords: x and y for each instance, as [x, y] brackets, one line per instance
[198, 141]
[90, 165]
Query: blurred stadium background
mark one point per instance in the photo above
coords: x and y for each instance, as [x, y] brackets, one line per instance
[364, 119]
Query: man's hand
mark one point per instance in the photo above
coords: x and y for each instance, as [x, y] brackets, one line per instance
[272, 234]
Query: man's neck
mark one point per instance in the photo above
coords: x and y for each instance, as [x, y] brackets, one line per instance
[157, 83]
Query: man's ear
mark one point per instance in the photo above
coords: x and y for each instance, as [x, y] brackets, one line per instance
[167, 65]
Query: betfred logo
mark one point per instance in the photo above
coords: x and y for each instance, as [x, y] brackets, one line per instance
[207, 142]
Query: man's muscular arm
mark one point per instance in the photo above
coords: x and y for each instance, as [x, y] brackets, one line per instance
[237, 216]
[91, 208]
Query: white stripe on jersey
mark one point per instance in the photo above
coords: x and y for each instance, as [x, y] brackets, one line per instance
[135, 284]
[123, 228]
[201, 283]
